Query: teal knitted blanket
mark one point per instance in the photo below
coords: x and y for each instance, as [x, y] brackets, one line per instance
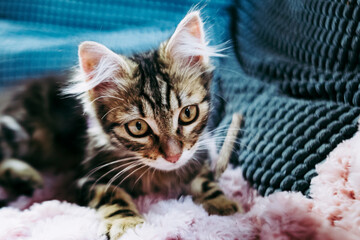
[299, 90]
[294, 75]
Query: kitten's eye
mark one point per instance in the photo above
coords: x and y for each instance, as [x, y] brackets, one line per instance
[137, 128]
[188, 115]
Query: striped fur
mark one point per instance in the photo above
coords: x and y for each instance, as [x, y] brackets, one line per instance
[39, 129]
[155, 87]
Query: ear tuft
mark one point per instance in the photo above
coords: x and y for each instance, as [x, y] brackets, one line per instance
[99, 68]
[192, 22]
[188, 44]
[92, 53]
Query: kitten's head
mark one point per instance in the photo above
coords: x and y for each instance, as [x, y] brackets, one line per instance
[154, 104]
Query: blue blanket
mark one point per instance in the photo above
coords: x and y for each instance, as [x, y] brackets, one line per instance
[41, 36]
[294, 74]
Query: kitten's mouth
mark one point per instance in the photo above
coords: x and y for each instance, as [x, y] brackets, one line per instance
[172, 162]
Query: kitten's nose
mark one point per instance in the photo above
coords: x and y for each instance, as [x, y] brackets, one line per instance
[172, 149]
[173, 159]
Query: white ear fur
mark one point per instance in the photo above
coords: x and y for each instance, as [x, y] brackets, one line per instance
[93, 55]
[98, 64]
[188, 43]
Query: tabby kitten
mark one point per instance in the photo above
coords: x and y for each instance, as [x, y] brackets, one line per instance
[146, 116]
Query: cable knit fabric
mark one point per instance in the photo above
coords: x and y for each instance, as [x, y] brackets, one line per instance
[299, 89]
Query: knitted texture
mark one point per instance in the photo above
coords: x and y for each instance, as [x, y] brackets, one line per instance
[310, 49]
[299, 92]
[297, 81]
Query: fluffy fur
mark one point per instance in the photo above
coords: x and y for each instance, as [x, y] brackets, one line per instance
[332, 213]
[146, 117]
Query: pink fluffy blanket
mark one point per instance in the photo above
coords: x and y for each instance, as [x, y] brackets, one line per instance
[332, 213]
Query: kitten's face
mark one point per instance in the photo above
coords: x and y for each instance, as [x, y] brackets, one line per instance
[160, 114]
[154, 104]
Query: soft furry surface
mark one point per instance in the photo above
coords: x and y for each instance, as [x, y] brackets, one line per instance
[333, 213]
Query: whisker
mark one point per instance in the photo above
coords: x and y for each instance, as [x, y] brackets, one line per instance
[196, 161]
[97, 180]
[231, 71]
[129, 175]
[113, 109]
[141, 176]
[120, 173]
[110, 171]
[152, 175]
[106, 97]
[107, 164]
[223, 129]
[202, 145]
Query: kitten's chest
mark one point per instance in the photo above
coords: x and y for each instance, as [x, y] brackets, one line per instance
[121, 170]
[169, 184]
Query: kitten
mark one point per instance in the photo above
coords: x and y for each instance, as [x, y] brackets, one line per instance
[145, 123]
[39, 129]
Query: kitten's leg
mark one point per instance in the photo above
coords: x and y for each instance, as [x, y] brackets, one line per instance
[22, 177]
[14, 139]
[206, 192]
[115, 206]
[14, 142]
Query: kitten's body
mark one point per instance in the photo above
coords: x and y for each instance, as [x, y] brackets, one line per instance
[51, 127]
[144, 118]
[42, 129]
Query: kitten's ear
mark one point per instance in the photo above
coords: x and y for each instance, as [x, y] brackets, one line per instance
[95, 56]
[188, 44]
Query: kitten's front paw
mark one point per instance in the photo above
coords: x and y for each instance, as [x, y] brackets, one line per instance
[221, 206]
[19, 175]
[115, 228]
